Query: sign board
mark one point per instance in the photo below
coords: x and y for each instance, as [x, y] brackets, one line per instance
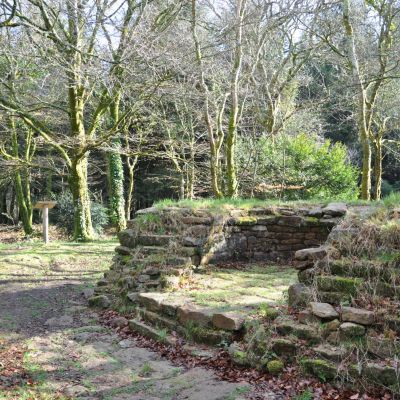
[45, 204]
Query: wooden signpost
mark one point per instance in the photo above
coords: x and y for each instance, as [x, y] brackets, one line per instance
[45, 206]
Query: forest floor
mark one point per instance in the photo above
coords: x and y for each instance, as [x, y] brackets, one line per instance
[53, 347]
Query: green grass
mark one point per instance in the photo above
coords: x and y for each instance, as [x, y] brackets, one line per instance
[220, 204]
[230, 289]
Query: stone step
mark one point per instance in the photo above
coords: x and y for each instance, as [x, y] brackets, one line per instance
[150, 332]
[151, 250]
[154, 240]
[157, 320]
[332, 283]
[364, 269]
[305, 332]
[331, 353]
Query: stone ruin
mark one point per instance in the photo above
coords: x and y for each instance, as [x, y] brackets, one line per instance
[325, 329]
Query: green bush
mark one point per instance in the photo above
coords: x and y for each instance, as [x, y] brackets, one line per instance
[296, 167]
[63, 213]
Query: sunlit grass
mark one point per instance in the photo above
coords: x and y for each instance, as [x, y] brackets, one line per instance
[226, 203]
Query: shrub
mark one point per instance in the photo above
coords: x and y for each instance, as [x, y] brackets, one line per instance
[63, 213]
[299, 167]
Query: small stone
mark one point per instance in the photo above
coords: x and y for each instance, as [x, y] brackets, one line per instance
[348, 329]
[101, 301]
[87, 292]
[119, 322]
[358, 315]
[302, 265]
[64, 320]
[143, 278]
[299, 295]
[133, 296]
[102, 282]
[323, 310]
[313, 253]
[123, 251]
[330, 352]
[335, 209]
[237, 354]
[331, 326]
[228, 321]
[284, 347]
[73, 391]
[152, 271]
[126, 343]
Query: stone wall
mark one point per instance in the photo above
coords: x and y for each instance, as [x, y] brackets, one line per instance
[259, 234]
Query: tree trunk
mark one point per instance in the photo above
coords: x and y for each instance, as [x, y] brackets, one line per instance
[366, 169]
[77, 180]
[378, 169]
[131, 185]
[116, 199]
[22, 188]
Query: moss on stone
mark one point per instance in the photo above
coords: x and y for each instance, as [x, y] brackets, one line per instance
[338, 284]
[324, 370]
[275, 367]
[246, 220]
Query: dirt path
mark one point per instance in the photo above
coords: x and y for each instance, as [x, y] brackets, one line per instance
[61, 350]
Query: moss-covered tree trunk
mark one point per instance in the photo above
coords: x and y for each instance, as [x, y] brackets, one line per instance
[21, 183]
[77, 180]
[378, 169]
[116, 199]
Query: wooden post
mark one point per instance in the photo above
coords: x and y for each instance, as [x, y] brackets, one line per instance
[46, 225]
[45, 206]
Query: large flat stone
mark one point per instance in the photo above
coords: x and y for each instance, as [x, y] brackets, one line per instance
[197, 316]
[151, 301]
[228, 321]
[323, 310]
[313, 253]
[357, 315]
[349, 330]
[335, 209]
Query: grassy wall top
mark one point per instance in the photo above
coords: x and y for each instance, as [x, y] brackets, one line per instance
[219, 204]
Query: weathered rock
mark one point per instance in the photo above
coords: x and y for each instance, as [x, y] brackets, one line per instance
[237, 354]
[119, 322]
[284, 347]
[228, 321]
[357, 315]
[313, 253]
[124, 251]
[102, 282]
[383, 347]
[299, 295]
[322, 369]
[197, 316]
[148, 331]
[151, 271]
[143, 278]
[158, 320]
[323, 310]
[331, 326]
[307, 276]
[302, 265]
[151, 301]
[329, 352]
[101, 301]
[349, 329]
[87, 292]
[315, 212]
[335, 209]
[154, 240]
[381, 374]
[338, 284]
[274, 367]
[307, 317]
[64, 320]
[305, 332]
[127, 238]
[133, 296]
